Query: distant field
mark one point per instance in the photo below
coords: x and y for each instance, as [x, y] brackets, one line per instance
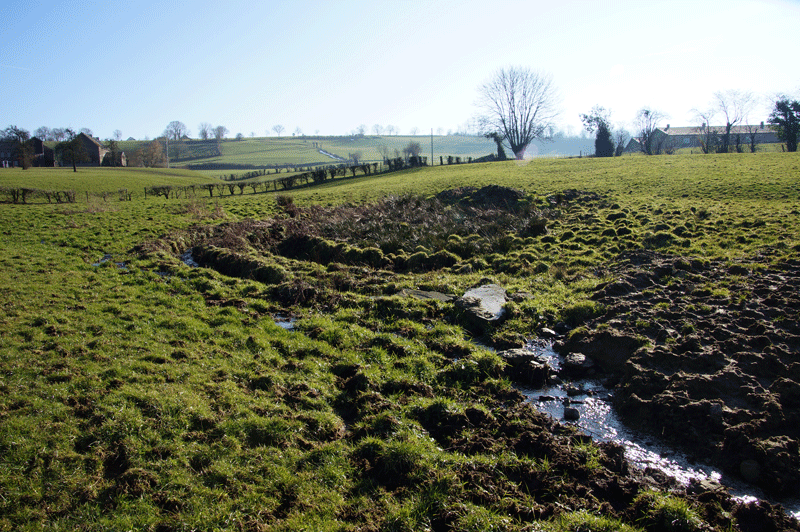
[262, 152]
[98, 180]
[239, 156]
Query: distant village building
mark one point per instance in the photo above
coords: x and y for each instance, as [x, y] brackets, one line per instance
[7, 158]
[95, 151]
[689, 137]
[42, 155]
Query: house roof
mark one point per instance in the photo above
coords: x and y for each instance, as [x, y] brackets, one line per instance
[92, 140]
[736, 130]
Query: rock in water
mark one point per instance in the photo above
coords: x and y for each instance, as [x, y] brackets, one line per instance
[526, 367]
[483, 307]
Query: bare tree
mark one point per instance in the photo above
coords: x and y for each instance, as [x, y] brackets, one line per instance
[520, 105]
[360, 130]
[647, 122]
[377, 129]
[87, 131]
[117, 135]
[395, 129]
[43, 133]
[220, 132]
[383, 150]
[752, 134]
[152, 154]
[204, 130]
[390, 130]
[355, 156]
[277, 128]
[414, 131]
[58, 133]
[440, 131]
[734, 106]
[413, 149]
[298, 132]
[621, 138]
[176, 130]
[706, 133]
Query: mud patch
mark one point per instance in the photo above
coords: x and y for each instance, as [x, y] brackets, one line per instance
[718, 367]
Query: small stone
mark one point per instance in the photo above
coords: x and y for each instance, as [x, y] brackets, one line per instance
[548, 333]
[571, 414]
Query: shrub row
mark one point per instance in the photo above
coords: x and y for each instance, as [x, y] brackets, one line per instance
[23, 195]
[316, 176]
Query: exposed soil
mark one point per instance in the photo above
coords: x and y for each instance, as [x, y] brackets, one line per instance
[719, 374]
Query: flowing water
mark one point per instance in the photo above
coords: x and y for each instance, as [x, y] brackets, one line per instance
[597, 418]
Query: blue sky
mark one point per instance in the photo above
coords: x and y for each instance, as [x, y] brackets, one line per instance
[327, 67]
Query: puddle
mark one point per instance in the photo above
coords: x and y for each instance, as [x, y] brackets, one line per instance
[598, 419]
[107, 258]
[188, 259]
[285, 322]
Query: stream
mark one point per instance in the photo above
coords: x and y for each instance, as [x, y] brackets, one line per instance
[598, 419]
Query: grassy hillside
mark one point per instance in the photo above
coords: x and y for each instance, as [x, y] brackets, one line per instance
[141, 393]
[280, 151]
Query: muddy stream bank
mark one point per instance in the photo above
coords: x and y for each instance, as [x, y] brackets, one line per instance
[588, 404]
[702, 358]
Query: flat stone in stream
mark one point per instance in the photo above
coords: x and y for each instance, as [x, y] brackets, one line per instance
[482, 307]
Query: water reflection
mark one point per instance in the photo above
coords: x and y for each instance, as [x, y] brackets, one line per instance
[285, 322]
[597, 418]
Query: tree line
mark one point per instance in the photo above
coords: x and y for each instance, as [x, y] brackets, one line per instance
[519, 105]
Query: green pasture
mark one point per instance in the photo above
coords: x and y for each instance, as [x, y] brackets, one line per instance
[261, 152]
[138, 393]
[96, 180]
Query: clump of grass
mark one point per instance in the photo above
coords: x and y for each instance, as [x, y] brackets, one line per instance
[584, 521]
[590, 453]
[661, 511]
[581, 312]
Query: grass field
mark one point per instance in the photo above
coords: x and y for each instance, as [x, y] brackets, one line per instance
[140, 393]
[280, 151]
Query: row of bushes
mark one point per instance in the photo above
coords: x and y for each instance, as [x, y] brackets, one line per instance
[23, 195]
[316, 175]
